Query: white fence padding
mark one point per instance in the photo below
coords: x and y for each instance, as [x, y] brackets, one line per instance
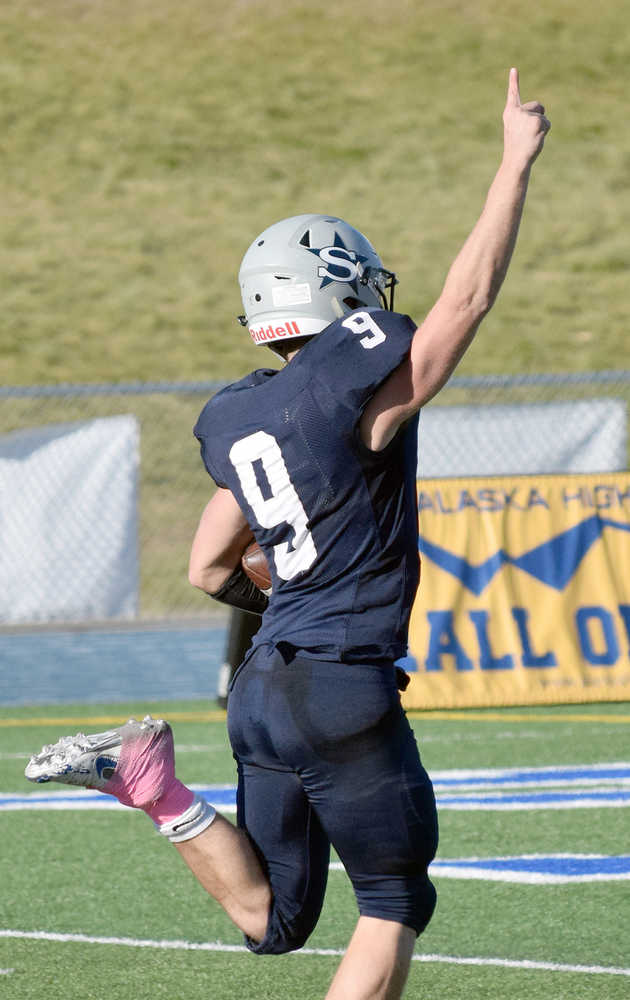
[68, 522]
[519, 439]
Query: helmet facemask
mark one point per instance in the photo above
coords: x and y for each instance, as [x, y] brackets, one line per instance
[381, 281]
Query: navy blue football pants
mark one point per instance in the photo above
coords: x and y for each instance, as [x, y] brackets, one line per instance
[326, 755]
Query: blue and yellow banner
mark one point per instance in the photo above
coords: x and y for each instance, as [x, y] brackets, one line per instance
[525, 592]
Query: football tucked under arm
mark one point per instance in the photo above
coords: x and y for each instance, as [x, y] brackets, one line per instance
[256, 567]
[249, 586]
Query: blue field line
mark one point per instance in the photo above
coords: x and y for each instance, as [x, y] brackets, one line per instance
[58, 800]
[586, 798]
[588, 774]
[537, 869]
[567, 864]
[224, 797]
[531, 869]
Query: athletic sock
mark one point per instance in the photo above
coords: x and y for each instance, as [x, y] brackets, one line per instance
[188, 824]
[145, 779]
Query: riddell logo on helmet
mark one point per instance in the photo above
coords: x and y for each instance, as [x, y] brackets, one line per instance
[262, 333]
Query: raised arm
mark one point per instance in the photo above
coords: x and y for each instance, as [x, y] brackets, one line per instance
[473, 281]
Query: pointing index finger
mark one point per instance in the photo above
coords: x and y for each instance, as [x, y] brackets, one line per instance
[514, 96]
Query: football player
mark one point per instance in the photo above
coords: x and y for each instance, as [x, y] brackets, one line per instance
[318, 460]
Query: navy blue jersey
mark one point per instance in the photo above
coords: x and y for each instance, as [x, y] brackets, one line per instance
[337, 522]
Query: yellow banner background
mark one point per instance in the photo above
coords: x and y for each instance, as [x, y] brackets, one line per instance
[525, 591]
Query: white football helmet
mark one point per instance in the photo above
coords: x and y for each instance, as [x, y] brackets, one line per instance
[303, 273]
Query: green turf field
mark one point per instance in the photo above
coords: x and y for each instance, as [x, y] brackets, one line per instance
[146, 143]
[106, 875]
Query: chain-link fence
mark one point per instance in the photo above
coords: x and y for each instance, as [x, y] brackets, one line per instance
[476, 425]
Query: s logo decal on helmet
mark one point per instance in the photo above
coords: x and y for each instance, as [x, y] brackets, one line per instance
[303, 273]
[340, 264]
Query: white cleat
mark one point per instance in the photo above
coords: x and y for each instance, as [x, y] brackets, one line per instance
[89, 761]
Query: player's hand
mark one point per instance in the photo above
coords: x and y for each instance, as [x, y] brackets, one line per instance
[524, 126]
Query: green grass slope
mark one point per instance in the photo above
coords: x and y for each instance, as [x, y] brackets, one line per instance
[145, 144]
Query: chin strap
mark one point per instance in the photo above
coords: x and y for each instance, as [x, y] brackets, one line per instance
[241, 592]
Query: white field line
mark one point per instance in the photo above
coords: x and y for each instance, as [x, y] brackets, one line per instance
[508, 734]
[200, 748]
[180, 748]
[219, 946]
[589, 786]
[480, 806]
[520, 878]
[67, 801]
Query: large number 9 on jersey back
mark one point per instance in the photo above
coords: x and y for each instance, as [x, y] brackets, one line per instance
[281, 506]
